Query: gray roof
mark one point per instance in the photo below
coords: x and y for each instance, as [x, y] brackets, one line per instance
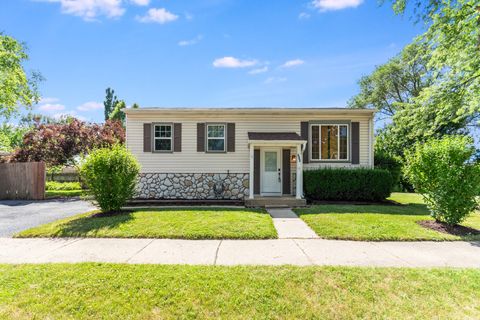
[274, 136]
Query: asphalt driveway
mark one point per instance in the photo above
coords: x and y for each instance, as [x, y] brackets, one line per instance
[18, 215]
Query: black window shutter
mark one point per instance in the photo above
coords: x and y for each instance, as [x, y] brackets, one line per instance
[355, 143]
[147, 137]
[230, 137]
[256, 171]
[304, 135]
[177, 137]
[200, 137]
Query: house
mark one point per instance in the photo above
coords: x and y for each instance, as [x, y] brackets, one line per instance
[218, 153]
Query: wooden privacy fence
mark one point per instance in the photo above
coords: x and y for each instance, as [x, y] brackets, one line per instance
[22, 180]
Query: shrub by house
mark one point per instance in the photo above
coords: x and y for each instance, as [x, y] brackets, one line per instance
[442, 170]
[110, 174]
[347, 184]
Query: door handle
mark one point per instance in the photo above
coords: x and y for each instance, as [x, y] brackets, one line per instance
[279, 175]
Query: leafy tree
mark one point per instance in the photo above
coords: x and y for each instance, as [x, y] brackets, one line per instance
[453, 41]
[16, 87]
[62, 143]
[384, 160]
[135, 106]
[109, 103]
[117, 113]
[442, 170]
[448, 99]
[11, 136]
[392, 85]
[110, 175]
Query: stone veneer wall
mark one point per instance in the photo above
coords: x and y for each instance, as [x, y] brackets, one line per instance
[231, 186]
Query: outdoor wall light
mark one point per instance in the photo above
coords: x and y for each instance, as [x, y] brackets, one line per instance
[293, 158]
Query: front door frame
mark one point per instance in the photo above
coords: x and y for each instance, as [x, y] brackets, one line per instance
[262, 171]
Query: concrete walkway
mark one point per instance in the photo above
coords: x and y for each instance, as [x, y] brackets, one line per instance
[289, 225]
[242, 252]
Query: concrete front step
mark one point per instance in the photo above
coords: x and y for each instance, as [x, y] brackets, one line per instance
[275, 202]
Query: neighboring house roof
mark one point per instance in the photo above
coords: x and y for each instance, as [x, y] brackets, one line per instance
[267, 111]
[274, 136]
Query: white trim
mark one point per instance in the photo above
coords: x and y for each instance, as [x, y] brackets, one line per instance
[371, 158]
[310, 138]
[274, 143]
[216, 138]
[155, 124]
[249, 110]
[299, 173]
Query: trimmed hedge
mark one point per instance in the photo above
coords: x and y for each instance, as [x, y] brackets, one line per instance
[54, 185]
[347, 184]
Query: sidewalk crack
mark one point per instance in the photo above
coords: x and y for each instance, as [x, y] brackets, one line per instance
[303, 251]
[216, 253]
[141, 249]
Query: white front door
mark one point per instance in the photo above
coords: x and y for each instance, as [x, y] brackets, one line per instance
[271, 180]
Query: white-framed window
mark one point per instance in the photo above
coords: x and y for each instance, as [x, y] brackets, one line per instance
[329, 142]
[163, 137]
[216, 137]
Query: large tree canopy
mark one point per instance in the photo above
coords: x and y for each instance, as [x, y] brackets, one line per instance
[448, 100]
[16, 87]
[395, 83]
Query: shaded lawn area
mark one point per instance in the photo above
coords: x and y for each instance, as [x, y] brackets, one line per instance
[101, 291]
[174, 223]
[379, 222]
[64, 193]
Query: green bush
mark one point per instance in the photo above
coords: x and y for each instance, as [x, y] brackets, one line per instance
[442, 170]
[54, 185]
[347, 184]
[110, 174]
[391, 163]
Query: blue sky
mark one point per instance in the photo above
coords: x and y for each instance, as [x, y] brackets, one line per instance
[203, 53]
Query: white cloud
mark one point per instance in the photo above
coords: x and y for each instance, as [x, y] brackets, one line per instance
[141, 2]
[231, 62]
[46, 100]
[292, 63]
[159, 15]
[271, 80]
[89, 10]
[89, 106]
[303, 16]
[330, 5]
[69, 113]
[190, 42]
[49, 107]
[258, 70]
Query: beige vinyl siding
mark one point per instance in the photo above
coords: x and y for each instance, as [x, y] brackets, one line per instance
[191, 161]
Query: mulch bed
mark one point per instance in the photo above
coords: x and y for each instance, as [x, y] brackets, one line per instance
[456, 230]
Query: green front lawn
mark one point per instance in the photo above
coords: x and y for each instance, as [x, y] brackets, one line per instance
[178, 223]
[111, 291]
[379, 222]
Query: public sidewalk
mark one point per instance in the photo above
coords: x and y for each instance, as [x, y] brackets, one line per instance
[242, 252]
